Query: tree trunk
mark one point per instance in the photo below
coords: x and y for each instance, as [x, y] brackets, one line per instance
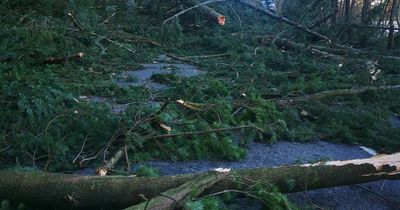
[365, 12]
[394, 13]
[207, 11]
[347, 11]
[334, 93]
[49, 190]
[334, 7]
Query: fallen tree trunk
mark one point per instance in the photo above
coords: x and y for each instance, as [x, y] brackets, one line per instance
[208, 12]
[290, 45]
[285, 20]
[338, 54]
[334, 93]
[75, 191]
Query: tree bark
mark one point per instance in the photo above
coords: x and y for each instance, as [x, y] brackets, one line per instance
[365, 12]
[334, 7]
[49, 190]
[347, 10]
[394, 13]
[177, 196]
[207, 11]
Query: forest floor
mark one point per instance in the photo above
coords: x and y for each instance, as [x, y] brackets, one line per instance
[377, 195]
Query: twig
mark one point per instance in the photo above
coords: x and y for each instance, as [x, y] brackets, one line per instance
[394, 203]
[113, 42]
[5, 149]
[128, 164]
[75, 21]
[180, 58]
[238, 191]
[236, 14]
[209, 56]
[108, 19]
[80, 152]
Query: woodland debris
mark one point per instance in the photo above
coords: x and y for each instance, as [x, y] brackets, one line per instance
[290, 45]
[204, 132]
[59, 59]
[180, 58]
[334, 93]
[103, 170]
[210, 13]
[286, 20]
[178, 196]
[193, 106]
[83, 192]
[207, 11]
[137, 38]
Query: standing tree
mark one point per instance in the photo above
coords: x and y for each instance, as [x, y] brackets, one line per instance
[334, 7]
[394, 13]
[364, 12]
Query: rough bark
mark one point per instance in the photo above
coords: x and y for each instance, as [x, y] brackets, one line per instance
[334, 7]
[394, 13]
[49, 190]
[365, 11]
[347, 10]
[177, 196]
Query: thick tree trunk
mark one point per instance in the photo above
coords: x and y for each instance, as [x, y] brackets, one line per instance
[394, 13]
[334, 93]
[75, 191]
[347, 10]
[365, 12]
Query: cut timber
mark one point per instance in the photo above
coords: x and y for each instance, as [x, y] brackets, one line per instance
[49, 190]
[207, 11]
[334, 93]
[192, 188]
